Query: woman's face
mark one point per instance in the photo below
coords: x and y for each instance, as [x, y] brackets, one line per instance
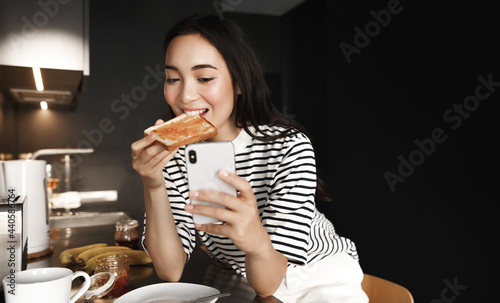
[198, 81]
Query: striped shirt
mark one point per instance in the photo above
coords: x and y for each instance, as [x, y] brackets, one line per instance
[282, 173]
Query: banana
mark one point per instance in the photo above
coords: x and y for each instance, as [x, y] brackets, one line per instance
[69, 255]
[86, 255]
[135, 257]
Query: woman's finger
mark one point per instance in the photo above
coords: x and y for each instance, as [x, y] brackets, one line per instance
[146, 155]
[219, 213]
[242, 185]
[218, 229]
[164, 157]
[221, 198]
[157, 158]
[138, 146]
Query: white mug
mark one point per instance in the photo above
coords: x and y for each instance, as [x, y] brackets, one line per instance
[50, 284]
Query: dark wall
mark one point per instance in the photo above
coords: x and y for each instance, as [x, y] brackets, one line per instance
[8, 137]
[412, 81]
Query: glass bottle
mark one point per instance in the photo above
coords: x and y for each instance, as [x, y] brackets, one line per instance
[127, 233]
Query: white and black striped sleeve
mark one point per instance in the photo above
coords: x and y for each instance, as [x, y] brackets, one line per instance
[290, 206]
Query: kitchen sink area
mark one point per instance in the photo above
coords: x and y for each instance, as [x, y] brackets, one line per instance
[86, 219]
[94, 208]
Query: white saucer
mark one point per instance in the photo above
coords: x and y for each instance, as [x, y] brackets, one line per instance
[170, 291]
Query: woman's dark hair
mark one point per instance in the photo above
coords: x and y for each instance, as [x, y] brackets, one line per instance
[254, 106]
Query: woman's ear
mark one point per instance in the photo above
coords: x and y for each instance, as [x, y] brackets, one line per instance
[237, 89]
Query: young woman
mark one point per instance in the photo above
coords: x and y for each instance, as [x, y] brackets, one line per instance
[273, 234]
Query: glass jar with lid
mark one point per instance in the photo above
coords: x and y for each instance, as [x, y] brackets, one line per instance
[117, 265]
[127, 233]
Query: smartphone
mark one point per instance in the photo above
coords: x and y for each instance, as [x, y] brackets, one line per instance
[203, 162]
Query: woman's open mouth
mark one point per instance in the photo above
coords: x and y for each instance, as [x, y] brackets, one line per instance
[195, 112]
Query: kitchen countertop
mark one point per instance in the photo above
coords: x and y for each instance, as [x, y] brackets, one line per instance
[199, 270]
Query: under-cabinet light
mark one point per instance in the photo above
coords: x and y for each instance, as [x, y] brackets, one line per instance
[38, 78]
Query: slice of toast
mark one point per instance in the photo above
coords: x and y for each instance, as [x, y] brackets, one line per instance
[181, 130]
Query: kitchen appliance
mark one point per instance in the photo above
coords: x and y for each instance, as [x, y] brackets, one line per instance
[28, 178]
[64, 168]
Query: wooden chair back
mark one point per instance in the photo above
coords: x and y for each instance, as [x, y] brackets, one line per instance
[380, 290]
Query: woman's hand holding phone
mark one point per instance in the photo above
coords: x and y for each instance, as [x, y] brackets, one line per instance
[148, 160]
[241, 215]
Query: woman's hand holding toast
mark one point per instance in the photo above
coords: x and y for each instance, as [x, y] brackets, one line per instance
[148, 160]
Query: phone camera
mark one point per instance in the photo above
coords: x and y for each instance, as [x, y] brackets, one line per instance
[192, 156]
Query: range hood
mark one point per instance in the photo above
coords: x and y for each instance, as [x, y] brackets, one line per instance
[62, 88]
[52, 36]
[59, 97]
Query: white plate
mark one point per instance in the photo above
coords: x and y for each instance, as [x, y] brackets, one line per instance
[171, 291]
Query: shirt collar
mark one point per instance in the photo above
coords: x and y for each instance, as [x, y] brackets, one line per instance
[242, 140]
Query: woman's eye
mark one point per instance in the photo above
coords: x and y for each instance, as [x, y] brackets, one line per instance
[171, 80]
[205, 80]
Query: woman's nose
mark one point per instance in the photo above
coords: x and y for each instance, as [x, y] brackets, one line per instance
[188, 93]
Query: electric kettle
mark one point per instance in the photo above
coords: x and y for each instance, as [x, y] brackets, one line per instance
[28, 178]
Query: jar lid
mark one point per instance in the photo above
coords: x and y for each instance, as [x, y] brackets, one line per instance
[100, 285]
[111, 260]
[126, 224]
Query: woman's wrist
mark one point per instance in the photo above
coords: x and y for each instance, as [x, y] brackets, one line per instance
[153, 194]
[263, 251]
[153, 189]
[265, 270]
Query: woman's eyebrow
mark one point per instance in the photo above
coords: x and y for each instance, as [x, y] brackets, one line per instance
[201, 66]
[196, 67]
[171, 67]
